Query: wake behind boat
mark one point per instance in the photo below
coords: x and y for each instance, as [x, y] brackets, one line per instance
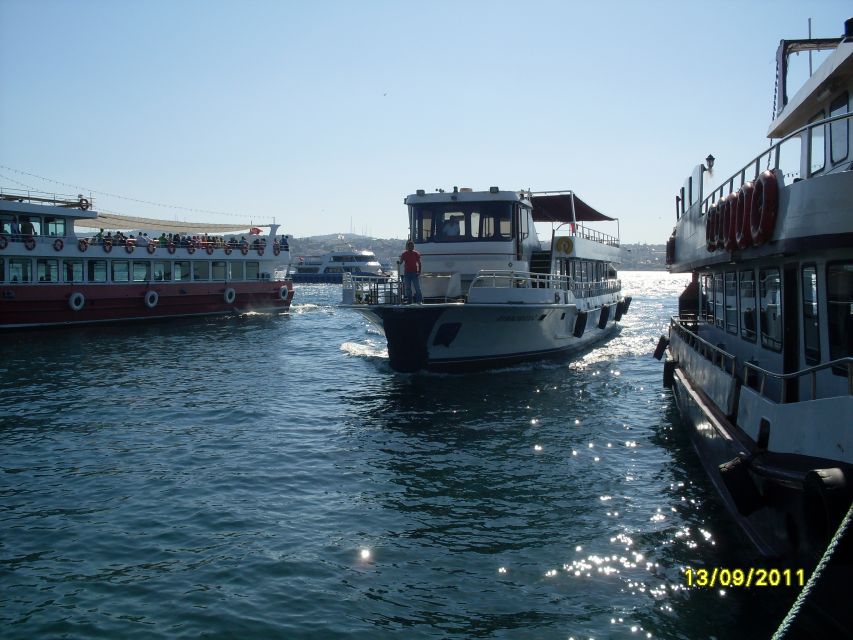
[55, 269]
[493, 293]
[761, 353]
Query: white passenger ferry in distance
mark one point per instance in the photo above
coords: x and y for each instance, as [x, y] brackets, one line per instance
[760, 356]
[494, 294]
[331, 266]
[61, 263]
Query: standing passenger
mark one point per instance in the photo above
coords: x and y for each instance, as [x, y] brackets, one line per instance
[411, 260]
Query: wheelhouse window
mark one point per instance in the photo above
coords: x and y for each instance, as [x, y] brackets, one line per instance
[811, 327]
[462, 222]
[731, 302]
[839, 298]
[47, 270]
[747, 305]
[97, 270]
[719, 316]
[120, 271]
[73, 270]
[770, 294]
[817, 140]
[838, 130]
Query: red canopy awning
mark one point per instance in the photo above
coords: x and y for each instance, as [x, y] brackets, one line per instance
[557, 207]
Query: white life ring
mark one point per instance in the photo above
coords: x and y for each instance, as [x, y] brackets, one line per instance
[230, 295]
[76, 301]
[284, 293]
[151, 299]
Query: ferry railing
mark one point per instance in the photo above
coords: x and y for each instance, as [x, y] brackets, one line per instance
[596, 236]
[764, 374]
[42, 197]
[687, 328]
[505, 278]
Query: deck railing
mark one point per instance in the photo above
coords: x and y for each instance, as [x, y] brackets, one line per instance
[687, 327]
[764, 374]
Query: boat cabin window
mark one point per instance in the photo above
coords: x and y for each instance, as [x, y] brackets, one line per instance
[220, 270]
[182, 270]
[73, 270]
[706, 311]
[747, 305]
[201, 270]
[20, 270]
[770, 294]
[237, 271]
[731, 302]
[161, 271]
[54, 227]
[47, 270]
[719, 316]
[790, 156]
[811, 328]
[462, 222]
[525, 221]
[8, 224]
[96, 270]
[252, 270]
[141, 271]
[839, 297]
[838, 130]
[817, 150]
[120, 271]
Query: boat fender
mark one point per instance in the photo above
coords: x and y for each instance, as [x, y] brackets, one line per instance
[108, 246]
[668, 374]
[620, 310]
[284, 293]
[827, 495]
[740, 485]
[76, 301]
[230, 295]
[4, 242]
[580, 324]
[765, 205]
[82, 244]
[663, 343]
[30, 243]
[151, 299]
[626, 303]
[743, 232]
[604, 317]
[58, 244]
[151, 247]
[171, 247]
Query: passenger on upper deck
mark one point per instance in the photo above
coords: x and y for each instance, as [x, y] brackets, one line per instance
[27, 227]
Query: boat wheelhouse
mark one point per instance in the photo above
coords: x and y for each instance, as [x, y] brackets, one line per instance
[494, 294]
[761, 354]
[331, 266]
[54, 272]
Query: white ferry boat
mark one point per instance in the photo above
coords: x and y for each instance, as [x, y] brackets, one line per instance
[493, 293]
[331, 266]
[760, 357]
[58, 267]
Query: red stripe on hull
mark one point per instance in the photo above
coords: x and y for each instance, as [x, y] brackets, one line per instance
[51, 304]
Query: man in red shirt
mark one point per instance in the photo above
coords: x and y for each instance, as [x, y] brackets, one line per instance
[411, 260]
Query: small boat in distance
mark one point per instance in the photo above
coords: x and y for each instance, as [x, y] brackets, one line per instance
[493, 293]
[53, 272]
[331, 266]
[760, 356]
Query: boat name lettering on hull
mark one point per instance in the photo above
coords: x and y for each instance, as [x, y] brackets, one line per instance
[516, 318]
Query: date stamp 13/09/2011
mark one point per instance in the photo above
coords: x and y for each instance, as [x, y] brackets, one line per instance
[751, 577]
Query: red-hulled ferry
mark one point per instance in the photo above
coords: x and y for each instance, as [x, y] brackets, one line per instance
[54, 273]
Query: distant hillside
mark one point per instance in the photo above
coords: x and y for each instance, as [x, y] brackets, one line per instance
[635, 257]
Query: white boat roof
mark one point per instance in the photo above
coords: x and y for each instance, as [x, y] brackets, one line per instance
[836, 71]
[116, 221]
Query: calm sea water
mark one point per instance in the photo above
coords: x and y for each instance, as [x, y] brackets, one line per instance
[271, 477]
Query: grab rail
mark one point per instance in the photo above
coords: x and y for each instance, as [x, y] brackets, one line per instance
[507, 278]
[810, 371]
[723, 359]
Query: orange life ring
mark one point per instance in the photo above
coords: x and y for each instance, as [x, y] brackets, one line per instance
[171, 247]
[276, 249]
[743, 233]
[209, 250]
[710, 223]
[58, 244]
[129, 247]
[729, 229]
[228, 251]
[722, 215]
[83, 244]
[108, 246]
[151, 247]
[30, 243]
[84, 204]
[244, 249]
[190, 249]
[260, 250]
[765, 206]
[4, 242]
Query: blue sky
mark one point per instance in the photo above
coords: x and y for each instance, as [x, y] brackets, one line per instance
[323, 115]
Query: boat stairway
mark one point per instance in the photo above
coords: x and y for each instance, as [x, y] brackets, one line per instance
[540, 262]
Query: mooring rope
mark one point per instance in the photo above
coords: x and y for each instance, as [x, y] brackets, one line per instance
[785, 627]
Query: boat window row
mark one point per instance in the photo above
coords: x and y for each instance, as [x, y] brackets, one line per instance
[585, 270]
[54, 270]
[466, 221]
[839, 135]
[749, 303]
[358, 258]
[25, 225]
